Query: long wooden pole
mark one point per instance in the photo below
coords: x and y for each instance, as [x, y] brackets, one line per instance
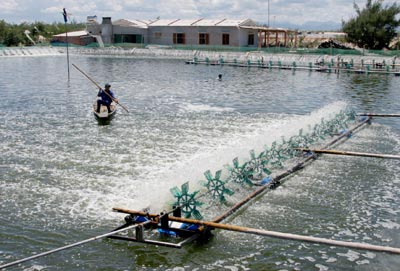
[66, 40]
[379, 115]
[290, 236]
[97, 85]
[295, 168]
[273, 234]
[336, 152]
[73, 245]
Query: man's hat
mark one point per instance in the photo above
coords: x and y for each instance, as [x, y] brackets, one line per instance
[107, 85]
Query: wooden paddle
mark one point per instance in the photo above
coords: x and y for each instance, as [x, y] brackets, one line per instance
[88, 77]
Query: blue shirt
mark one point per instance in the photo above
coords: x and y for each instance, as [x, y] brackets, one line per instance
[104, 97]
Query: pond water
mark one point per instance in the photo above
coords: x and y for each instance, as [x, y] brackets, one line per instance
[61, 173]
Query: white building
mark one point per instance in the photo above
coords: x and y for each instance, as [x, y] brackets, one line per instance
[202, 32]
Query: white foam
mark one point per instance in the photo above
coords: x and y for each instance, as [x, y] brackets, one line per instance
[141, 179]
[350, 255]
[203, 107]
[223, 150]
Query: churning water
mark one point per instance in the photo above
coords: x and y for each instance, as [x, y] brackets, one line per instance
[61, 173]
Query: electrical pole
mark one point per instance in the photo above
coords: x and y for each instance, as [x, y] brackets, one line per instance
[268, 13]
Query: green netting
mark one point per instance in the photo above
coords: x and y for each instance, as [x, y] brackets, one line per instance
[128, 45]
[93, 45]
[281, 50]
[385, 52]
[226, 48]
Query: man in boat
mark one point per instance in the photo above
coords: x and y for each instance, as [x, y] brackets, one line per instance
[106, 99]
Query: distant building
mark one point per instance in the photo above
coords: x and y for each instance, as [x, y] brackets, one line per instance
[202, 32]
[77, 37]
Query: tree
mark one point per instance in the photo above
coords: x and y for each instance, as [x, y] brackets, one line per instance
[14, 39]
[13, 34]
[375, 25]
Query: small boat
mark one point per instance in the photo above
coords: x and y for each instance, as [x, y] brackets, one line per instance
[104, 117]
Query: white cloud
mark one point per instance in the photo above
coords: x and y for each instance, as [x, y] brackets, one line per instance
[8, 6]
[51, 10]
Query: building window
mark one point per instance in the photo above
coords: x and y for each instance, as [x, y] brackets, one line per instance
[250, 40]
[127, 38]
[157, 35]
[179, 38]
[204, 38]
[225, 39]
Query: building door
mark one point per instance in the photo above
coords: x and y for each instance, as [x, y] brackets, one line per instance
[225, 39]
[250, 39]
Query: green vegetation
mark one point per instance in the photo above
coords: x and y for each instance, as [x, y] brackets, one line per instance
[375, 25]
[14, 34]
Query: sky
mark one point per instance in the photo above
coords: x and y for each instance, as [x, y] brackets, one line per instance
[282, 13]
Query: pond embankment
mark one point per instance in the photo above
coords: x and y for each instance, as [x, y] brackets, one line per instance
[295, 59]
